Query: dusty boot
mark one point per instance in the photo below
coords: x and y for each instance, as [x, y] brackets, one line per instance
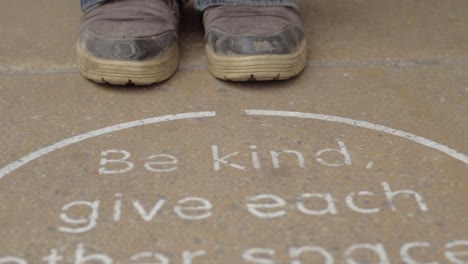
[254, 43]
[129, 41]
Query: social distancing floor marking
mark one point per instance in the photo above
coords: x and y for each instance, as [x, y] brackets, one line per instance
[364, 124]
[95, 133]
[194, 115]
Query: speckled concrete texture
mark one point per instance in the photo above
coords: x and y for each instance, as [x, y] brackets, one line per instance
[360, 159]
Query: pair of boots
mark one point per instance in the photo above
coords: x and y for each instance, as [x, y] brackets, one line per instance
[135, 41]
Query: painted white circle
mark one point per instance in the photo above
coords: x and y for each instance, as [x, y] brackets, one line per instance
[194, 115]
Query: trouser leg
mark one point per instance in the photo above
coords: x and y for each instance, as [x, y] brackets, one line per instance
[85, 4]
[203, 4]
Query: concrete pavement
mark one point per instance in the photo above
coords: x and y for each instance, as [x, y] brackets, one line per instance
[360, 159]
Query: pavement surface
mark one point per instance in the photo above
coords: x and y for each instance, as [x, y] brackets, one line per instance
[360, 159]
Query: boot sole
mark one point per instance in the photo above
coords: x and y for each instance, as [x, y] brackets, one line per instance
[257, 67]
[127, 72]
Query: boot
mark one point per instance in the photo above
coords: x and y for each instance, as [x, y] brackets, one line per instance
[247, 43]
[129, 41]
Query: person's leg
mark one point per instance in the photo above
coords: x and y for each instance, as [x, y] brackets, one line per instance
[204, 4]
[253, 39]
[128, 41]
[85, 4]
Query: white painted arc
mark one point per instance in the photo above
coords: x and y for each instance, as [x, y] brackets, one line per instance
[357, 123]
[95, 133]
[367, 125]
